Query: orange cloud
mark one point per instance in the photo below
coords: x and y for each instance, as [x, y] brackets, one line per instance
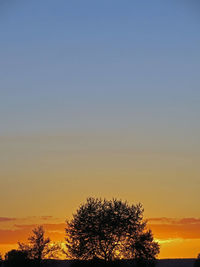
[175, 221]
[55, 231]
[6, 219]
[167, 228]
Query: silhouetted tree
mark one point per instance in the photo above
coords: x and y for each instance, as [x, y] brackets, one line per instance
[1, 259]
[142, 248]
[197, 261]
[38, 247]
[16, 258]
[109, 230]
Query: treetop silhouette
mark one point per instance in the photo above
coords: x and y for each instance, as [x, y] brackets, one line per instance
[109, 230]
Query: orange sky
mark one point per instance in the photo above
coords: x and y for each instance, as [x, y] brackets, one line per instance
[178, 238]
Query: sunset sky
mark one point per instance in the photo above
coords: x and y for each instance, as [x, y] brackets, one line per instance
[100, 98]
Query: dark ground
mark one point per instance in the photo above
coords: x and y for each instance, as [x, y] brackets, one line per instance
[160, 263]
[176, 263]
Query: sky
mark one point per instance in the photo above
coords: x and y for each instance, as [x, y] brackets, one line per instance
[100, 98]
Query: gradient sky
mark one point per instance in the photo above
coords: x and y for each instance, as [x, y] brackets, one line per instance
[100, 98]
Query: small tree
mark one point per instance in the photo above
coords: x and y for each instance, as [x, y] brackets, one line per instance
[141, 247]
[16, 258]
[197, 261]
[1, 259]
[109, 230]
[39, 247]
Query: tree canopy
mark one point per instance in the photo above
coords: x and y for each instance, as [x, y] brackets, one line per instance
[109, 230]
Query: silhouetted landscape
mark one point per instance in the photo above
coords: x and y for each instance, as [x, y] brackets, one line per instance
[102, 233]
[99, 133]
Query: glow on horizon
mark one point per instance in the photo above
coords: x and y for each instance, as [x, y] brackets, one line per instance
[176, 237]
[170, 248]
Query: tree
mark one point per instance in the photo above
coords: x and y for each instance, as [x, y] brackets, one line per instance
[1, 259]
[38, 247]
[142, 248]
[197, 261]
[16, 258]
[109, 230]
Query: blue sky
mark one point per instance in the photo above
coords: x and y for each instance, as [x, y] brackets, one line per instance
[102, 59]
[96, 79]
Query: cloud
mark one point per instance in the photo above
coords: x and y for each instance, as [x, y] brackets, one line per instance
[6, 219]
[166, 228]
[189, 221]
[20, 233]
[183, 221]
[162, 220]
[48, 227]
[46, 217]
